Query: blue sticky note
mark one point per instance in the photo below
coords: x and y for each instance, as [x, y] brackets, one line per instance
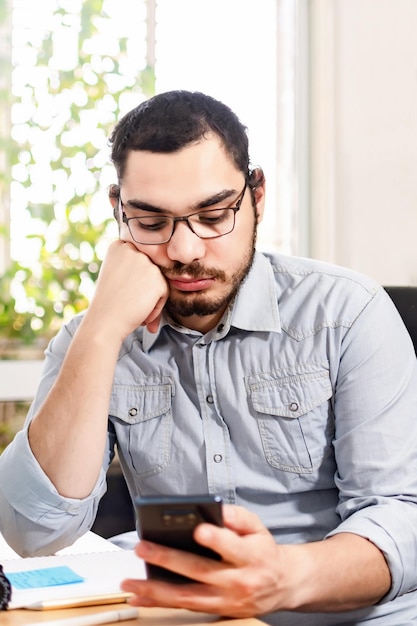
[48, 577]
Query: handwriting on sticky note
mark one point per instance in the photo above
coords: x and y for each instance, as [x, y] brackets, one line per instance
[48, 577]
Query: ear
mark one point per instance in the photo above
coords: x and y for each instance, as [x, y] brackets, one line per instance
[257, 187]
[114, 194]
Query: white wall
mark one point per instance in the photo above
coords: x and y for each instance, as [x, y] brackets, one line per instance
[19, 379]
[364, 136]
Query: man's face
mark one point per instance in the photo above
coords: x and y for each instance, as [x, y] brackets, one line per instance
[203, 274]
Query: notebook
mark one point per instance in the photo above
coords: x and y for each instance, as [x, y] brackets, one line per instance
[86, 573]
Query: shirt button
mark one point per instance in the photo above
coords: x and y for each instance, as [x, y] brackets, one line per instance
[210, 399]
[133, 411]
[220, 328]
[218, 458]
[293, 406]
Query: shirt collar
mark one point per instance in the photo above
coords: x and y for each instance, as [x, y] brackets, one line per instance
[255, 307]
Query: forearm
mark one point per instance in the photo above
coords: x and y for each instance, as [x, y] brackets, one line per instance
[342, 573]
[68, 434]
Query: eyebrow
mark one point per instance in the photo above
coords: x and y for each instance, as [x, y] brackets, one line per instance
[211, 201]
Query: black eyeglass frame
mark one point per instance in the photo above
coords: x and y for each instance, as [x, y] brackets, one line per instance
[185, 218]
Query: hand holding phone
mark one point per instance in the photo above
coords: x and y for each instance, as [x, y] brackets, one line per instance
[171, 521]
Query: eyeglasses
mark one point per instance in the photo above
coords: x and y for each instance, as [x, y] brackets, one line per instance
[206, 224]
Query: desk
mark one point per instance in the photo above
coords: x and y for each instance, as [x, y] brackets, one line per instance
[148, 617]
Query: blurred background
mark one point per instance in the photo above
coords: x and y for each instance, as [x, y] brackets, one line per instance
[327, 89]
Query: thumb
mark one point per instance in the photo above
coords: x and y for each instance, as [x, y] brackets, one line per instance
[242, 521]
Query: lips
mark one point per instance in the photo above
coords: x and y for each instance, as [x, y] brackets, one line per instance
[191, 284]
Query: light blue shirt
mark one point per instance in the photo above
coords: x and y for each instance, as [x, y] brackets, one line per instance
[301, 405]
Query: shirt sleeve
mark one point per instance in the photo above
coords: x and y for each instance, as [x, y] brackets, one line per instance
[34, 518]
[376, 438]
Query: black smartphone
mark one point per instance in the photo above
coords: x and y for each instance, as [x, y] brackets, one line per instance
[170, 520]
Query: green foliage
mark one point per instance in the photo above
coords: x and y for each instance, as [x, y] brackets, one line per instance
[65, 117]
[3, 11]
[6, 436]
[53, 286]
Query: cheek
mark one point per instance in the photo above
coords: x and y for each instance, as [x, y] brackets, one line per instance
[126, 236]
[242, 236]
[228, 253]
[154, 253]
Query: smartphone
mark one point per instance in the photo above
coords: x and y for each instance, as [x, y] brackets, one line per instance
[170, 521]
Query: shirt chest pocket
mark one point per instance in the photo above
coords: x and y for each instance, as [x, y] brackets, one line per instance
[142, 416]
[294, 416]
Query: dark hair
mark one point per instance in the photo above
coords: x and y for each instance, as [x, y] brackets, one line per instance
[169, 121]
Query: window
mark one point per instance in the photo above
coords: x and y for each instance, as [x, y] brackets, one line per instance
[77, 66]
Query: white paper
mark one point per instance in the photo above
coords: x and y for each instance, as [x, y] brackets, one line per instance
[102, 565]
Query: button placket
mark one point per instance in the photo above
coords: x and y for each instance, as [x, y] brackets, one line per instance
[215, 431]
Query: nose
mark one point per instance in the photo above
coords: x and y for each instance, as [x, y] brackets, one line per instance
[184, 246]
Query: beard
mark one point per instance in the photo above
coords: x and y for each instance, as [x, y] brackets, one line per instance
[187, 304]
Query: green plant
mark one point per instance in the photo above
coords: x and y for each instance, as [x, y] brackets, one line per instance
[34, 300]
[6, 436]
[59, 164]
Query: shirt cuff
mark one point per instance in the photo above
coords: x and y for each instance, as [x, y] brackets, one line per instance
[391, 527]
[37, 497]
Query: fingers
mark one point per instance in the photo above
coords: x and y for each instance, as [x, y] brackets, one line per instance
[221, 587]
[243, 583]
[237, 543]
[198, 568]
[194, 597]
[241, 520]
[130, 291]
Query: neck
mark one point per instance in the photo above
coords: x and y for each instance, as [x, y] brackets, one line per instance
[201, 323]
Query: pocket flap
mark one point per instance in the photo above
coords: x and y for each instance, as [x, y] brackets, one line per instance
[290, 395]
[141, 400]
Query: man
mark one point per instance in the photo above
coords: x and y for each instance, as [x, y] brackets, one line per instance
[285, 385]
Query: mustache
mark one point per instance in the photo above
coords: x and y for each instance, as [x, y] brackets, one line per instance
[195, 270]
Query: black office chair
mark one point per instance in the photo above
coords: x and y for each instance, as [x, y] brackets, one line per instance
[115, 513]
[405, 299]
